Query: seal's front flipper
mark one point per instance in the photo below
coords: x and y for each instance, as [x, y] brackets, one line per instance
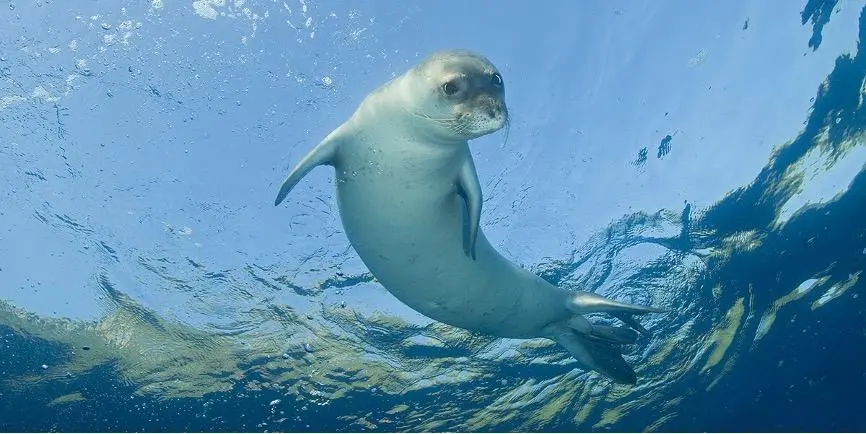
[324, 153]
[595, 354]
[470, 189]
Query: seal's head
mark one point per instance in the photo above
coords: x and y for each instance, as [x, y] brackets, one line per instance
[458, 93]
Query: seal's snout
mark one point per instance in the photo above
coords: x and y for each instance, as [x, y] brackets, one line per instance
[482, 115]
[492, 106]
[497, 109]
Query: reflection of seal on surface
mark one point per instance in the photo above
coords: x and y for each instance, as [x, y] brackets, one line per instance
[410, 202]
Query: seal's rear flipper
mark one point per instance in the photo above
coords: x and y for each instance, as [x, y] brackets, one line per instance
[596, 355]
[599, 332]
[614, 335]
[324, 153]
[630, 321]
[586, 302]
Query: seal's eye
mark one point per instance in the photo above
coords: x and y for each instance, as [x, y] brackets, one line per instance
[450, 88]
[496, 80]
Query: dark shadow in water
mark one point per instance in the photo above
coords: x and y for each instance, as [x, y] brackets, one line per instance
[819, 12]
[809, 373]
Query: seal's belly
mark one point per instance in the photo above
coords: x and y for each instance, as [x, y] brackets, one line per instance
[411, 239]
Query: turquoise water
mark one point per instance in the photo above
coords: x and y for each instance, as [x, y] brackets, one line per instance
[705, 158]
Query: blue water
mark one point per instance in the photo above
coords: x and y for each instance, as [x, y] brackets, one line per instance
[708, 158]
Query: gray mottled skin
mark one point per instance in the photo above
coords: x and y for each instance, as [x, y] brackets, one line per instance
[410, 203]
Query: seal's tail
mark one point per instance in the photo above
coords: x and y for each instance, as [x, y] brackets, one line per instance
[596, 346]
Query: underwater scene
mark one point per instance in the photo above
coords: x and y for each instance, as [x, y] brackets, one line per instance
[672, 236]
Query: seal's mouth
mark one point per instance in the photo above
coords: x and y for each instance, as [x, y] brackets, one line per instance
[483, 116]
[479, 123]
[472, 119]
